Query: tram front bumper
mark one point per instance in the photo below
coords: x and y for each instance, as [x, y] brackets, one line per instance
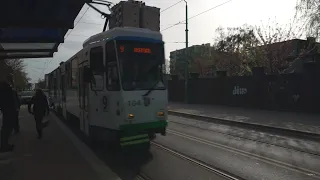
[141, 133]
[143, 127]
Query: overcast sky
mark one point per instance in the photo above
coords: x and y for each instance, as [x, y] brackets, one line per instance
[201, 28]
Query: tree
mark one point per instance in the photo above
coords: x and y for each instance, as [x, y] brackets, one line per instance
[310, 12]
[21, 80]
[277, 45]
[200, 57]
[257, 46]
[4, 69]
[238, 43]
[16, 67]
[196, 56]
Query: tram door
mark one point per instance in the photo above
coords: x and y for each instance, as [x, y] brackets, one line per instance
[83, 101]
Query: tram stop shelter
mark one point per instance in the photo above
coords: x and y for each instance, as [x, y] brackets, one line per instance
[35, 28]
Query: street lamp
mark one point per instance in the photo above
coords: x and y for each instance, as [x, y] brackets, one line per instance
[186, 76]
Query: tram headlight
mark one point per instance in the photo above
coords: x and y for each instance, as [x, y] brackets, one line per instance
[130, 116]
[160, 113]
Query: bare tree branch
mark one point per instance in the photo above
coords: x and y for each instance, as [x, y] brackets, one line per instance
[268, 45]
[16, 67]
[310, 11]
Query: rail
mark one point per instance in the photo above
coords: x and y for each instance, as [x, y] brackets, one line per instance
[246, 125]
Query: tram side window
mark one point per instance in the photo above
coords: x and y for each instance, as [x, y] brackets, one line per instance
[80, 84]
[113, 83]
[55, 87]
[113, 78]
[63, 88]
[96, 64]
[96, 59]
[68, 75]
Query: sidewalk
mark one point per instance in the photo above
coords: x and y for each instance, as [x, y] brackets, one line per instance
[288, 120]
[58, 156]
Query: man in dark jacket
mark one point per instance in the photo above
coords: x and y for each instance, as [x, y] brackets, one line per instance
[39, 110]
[8, 108]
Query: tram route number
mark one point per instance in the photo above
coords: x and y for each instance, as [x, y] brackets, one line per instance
[134, 103]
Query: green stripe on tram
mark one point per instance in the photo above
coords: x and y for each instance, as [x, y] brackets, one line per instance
[129, 132]
[142, 126]
[134, 137]
[135, 142]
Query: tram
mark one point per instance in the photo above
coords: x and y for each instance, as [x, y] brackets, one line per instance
[114, 89]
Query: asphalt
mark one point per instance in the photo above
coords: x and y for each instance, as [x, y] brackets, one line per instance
[304, 122]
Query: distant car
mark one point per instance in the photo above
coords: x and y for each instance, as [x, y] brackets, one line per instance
[25, 96]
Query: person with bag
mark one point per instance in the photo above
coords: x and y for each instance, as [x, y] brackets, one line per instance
[39, 110]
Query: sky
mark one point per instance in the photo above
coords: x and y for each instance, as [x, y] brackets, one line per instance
[232, 13]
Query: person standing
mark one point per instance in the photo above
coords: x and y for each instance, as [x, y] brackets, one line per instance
[16, 126]
[8, 109]
[39, 110]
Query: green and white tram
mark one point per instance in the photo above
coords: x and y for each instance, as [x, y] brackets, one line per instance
[114, 87]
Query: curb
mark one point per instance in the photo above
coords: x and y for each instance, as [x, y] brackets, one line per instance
[246, 125]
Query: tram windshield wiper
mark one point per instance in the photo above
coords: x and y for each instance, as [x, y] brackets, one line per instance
[153, 87]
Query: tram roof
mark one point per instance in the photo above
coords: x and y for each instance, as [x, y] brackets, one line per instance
[123, 32]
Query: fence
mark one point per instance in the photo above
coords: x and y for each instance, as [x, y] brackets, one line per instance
[292, 92]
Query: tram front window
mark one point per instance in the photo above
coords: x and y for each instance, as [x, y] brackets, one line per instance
[141, 65]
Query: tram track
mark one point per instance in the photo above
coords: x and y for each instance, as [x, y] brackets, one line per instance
[143, 176]
[250, 139]
[210, 168]
[246, 125]
[247, 154]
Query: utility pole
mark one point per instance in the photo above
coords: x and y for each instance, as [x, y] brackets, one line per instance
[186, 75]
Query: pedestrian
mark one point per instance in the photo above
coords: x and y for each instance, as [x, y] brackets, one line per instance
[8, 109]
[39, 110]
[16, 126]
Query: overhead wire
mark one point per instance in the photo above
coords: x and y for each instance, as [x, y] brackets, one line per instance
[178, 23]
[209, 9]
[171, 6]
[181, 22]
[47, 63]
[176, 42]
[77, 22]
